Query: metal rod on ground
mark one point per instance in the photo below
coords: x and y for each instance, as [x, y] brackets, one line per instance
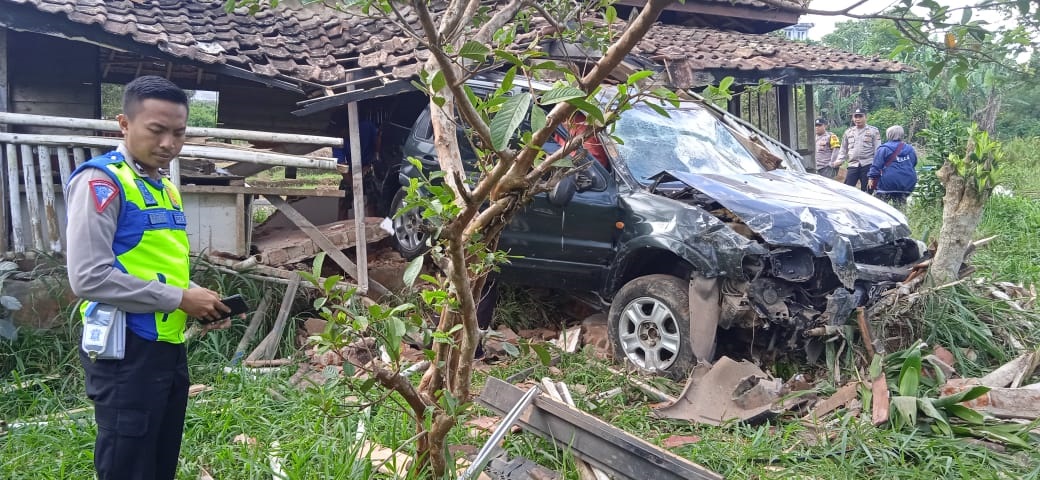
[481, 459]
[269, 345]
[254, 324]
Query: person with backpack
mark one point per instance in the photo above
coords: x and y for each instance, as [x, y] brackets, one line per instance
[893, 175]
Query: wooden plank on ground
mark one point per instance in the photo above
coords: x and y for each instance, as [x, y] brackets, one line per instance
[326, 245]
[359, 191]
[269, 345]
[591, 439]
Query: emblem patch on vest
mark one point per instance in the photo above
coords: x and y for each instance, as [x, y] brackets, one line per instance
[104, 192]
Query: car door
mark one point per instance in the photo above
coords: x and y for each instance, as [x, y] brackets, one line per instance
[565, 246]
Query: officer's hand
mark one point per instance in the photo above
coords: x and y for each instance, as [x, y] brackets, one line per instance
[202, 303]
[872, 184]
[207, 327]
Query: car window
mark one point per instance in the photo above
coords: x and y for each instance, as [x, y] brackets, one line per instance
[688, 140]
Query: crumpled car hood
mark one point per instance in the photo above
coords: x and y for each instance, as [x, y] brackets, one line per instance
[804, 210]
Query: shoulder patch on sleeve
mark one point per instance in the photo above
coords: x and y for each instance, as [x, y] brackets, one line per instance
[104, 192]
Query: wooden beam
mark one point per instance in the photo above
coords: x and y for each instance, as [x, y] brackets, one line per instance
[326, 245]
[99, 145]
[727, 9]
[113, 126]
[281, 191]
[591, 439]
[5, 96]
[359, 193]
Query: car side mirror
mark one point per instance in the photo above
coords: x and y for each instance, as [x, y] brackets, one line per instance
[563, 192]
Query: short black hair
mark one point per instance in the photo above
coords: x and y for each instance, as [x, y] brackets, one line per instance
[151, 86]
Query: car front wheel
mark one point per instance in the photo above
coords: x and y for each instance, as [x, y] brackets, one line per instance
[410, 233]
[649, 325]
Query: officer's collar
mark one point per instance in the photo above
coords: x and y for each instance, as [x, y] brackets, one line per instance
[157, 183]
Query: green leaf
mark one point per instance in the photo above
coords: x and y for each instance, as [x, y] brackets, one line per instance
[926, 407]
[542, 352]
[475, 51]
[319, 260]
[590, 110]
[510, 349]
[610, 14]
[331, 282]
[507, 80]
[508, 57]
[967, 395]
[411, 272]
[967, 414]
[538, 119]
[395, 330]
[962, 81]
[935, 69]
[635, 77]
[910, 374]
[438, 82]
[659, 109]
[905, 409]
[508, 119]
[725, 84]
[559, 94]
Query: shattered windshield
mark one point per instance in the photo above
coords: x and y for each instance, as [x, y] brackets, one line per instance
[690, 140]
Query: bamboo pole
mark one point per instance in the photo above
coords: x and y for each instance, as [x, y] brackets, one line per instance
[99, 145]
[64, 166]
[15, 196]
[113, 126]
[53, 230]
[79, 155]
[31, 197]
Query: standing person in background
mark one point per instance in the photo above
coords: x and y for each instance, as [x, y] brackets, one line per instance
[827, 146]
[858, 146]
[128, 250]
[893, 175]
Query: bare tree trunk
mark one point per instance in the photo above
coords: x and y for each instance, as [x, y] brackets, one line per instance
[963, 205]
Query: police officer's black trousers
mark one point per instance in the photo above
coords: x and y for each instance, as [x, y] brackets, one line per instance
[139, 405]
[857, 175]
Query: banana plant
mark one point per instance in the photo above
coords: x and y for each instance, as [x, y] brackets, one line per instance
[912, 408]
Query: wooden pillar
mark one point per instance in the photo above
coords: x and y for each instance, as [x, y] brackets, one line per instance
[361, 245]
[810, 133]
[4, 229]
[786, 113]
[4, 84]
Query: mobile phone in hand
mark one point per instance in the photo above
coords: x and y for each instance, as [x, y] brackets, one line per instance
[236, 303]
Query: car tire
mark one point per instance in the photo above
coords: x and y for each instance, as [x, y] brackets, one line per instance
[649, 326]
[410, 235]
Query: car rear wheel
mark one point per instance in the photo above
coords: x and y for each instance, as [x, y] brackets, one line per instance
[410, 233]
[649, 325]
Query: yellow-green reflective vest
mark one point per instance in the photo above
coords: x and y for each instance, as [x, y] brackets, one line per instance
[150, 241]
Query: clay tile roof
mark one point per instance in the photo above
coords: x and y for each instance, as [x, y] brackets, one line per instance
[317, 45]
[694, 49]
[294, 43]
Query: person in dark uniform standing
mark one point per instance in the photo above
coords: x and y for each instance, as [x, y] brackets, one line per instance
[128, 250]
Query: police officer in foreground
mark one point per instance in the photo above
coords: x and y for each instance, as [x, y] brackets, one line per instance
[827, 146]
[128, 258]
[858, 146]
